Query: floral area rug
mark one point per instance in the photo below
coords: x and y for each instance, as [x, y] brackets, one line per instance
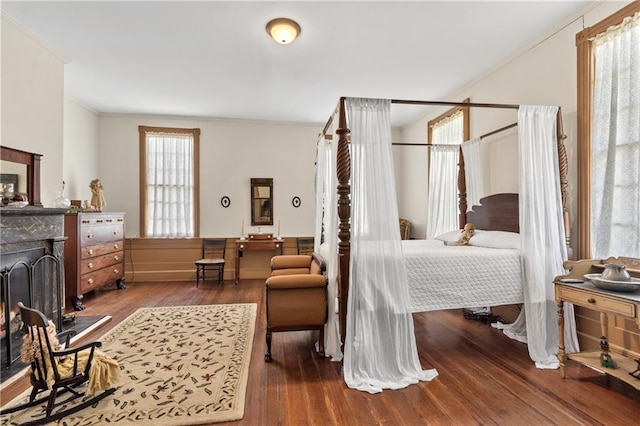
[183, 365]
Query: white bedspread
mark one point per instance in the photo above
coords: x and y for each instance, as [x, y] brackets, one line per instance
[447, 277]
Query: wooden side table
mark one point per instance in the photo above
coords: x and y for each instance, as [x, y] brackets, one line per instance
[605, 302]
[255, 244]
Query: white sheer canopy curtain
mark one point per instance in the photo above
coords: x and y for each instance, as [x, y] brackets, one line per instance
[615, 154]
[327, 219]
[380, 350]
[542, 237]
[474, 177]
[170, 185]
[442, 201]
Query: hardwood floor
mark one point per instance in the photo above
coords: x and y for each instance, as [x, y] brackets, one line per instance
[485, 378]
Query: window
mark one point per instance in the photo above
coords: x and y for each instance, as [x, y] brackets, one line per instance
[608, 136]
[446, 133]
[169, 182]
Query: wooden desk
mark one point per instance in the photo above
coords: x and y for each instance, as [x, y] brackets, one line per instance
[606, 302]
[248, 245]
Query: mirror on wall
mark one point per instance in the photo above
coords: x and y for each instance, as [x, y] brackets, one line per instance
[25, 168]
[10, 182]
[261, 201]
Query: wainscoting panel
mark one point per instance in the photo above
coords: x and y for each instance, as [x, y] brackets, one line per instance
[149, 259]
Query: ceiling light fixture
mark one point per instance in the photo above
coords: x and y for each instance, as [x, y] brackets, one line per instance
[283, 30]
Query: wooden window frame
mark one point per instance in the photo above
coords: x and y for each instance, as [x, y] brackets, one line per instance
[465, 121]
[142, 130]
[586, 74]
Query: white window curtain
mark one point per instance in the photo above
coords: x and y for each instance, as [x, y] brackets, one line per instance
[542, 237]
[380, 349]
[615, 155]
[474, 176]
[327, 222]
[170, 185]
[442, 199]
[442, 202]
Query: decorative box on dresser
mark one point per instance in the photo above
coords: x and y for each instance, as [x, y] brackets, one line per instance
[93, 253]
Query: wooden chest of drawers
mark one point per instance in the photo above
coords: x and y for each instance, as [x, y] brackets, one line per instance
[93, 253]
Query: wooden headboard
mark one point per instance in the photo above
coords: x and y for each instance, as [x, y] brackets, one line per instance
[498, 212]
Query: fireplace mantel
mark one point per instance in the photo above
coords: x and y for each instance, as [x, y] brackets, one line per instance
[31, 265]
[26, 224]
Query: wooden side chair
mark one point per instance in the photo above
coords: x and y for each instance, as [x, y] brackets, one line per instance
[60, 371]
[305, 245]
[213, 258]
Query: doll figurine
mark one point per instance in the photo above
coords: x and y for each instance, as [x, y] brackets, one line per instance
[97, 197]
[465, 235]
[605, 359]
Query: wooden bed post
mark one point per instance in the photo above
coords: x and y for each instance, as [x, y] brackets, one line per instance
[462, 192]
[563, 167]
[344, 216]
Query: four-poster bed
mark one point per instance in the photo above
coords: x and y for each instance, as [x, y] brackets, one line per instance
[490, 216]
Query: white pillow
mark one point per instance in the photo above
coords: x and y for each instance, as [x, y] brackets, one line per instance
[450, 237]
[496, 239]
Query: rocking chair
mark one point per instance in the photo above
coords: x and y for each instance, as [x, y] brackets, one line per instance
[58, 371]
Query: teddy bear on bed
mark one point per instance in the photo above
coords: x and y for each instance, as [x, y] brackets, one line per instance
[465, 235]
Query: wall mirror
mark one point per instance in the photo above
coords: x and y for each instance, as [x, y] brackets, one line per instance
[261, 201]
[9, 182]
[26, 165]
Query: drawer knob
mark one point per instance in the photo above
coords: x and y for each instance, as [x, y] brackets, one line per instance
[591, 300]
[115, 246]
[115, 271]
[90, 280]
[90, 235]
[109, 220]
[116, 258]
[90, 265]
[90, 251]
[99, 220]
[115, 232]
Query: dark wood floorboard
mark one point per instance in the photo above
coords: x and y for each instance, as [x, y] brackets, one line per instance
[484, 377]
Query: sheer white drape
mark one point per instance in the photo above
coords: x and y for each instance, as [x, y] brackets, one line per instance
[380, 349]
[170, 185]
[542, 237]
[327, 219]
[474, 177]
[442, 203]
[615, 154]
[442, 198]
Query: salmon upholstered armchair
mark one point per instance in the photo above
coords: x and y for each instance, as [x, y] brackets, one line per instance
[296, 297]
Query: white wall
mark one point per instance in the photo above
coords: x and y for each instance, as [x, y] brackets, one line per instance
[543, 74]
[80, 155]
[231, 153]
[32, 103]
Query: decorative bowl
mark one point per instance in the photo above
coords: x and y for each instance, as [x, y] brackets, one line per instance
[632, 284]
